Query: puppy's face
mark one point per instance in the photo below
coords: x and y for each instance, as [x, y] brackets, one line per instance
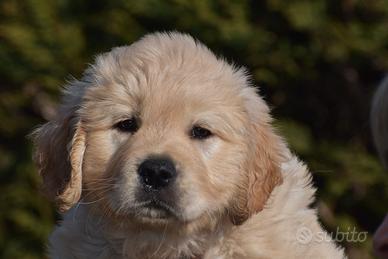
[164, 131]
[167, 149]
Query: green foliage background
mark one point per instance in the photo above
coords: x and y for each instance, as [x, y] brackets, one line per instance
[317, 62]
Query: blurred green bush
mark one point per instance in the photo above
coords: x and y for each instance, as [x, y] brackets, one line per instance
[317, 62]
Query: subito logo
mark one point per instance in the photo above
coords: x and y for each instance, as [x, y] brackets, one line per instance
[304, 235]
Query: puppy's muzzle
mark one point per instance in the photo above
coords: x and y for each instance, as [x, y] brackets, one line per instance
[157, 173]
[157, 193]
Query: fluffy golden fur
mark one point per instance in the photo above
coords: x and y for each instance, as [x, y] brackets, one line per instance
[239, 193]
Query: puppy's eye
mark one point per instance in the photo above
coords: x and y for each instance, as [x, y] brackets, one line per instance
[129, 125]
[198, 132]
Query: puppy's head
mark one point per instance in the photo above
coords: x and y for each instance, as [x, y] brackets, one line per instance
[161, 131]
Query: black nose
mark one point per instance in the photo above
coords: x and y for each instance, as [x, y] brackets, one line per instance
[157, 173]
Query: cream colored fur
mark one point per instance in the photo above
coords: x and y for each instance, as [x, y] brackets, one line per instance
[239, 193]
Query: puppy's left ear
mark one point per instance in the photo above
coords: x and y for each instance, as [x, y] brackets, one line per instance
[262, 168]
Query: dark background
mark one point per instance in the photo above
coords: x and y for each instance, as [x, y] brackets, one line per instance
[317, 64]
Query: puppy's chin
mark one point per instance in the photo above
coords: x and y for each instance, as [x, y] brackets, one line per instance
[152, 213]
[155, 212]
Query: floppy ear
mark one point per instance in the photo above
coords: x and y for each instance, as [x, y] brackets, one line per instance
[59, 148]
[262, 168]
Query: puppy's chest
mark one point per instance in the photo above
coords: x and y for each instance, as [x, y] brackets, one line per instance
[213, 245]
[167, 247]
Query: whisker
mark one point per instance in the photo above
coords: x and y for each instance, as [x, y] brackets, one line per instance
[100, 192]
[91, 202]
[97, 188]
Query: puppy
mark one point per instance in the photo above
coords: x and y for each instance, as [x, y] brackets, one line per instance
[163, 150]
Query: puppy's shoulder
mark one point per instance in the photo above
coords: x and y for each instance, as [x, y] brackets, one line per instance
[273, 232]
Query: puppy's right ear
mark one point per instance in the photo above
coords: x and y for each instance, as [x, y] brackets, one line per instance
[59, 148]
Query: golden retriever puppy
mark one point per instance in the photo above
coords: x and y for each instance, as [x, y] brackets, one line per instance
[163, 150]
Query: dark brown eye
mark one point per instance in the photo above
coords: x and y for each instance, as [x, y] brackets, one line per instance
[129, 125]
[198, 132]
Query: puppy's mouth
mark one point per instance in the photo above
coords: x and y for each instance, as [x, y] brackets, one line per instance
[156, 209]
